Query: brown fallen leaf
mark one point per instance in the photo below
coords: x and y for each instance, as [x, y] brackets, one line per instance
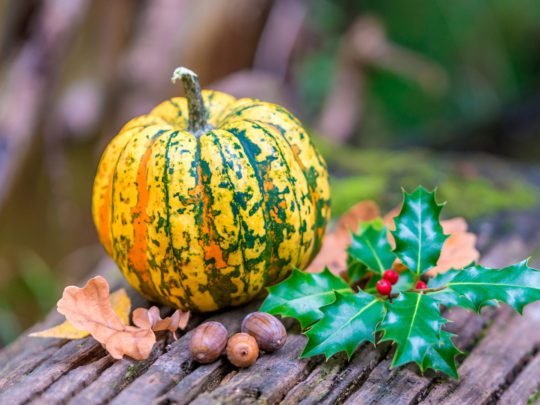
[360, 212]
[88, 308]
[151, 318]
[333, 253]
[120, 303]
[459, 250]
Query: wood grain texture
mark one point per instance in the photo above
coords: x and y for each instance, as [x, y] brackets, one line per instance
[205, 378]
[73, 381]
[525, 386]
[114, 379]
[68, 357]
[268, 380]
[495, 361]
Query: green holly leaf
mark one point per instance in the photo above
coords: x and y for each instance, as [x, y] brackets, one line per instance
[442, 279]
[442, 356]
[302, 294]
[405, 282]
[371, 247]
[413, 321]
[447, 297]
[355, 270]
[376, 223]
[419, 235]
[347, 323]
[516, 285]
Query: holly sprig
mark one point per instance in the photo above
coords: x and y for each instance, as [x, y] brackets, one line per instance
[378, 305]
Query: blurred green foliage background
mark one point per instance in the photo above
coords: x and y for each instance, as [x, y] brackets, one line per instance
[490, 50]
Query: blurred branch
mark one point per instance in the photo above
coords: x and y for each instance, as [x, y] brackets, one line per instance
[510, 131]
[29, 82]
[279, 36]
[143, 71]
[81, 108]
[17, 16]
[366, 47]
[272, 57]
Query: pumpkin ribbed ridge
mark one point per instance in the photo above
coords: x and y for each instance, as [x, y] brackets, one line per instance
[204, 222]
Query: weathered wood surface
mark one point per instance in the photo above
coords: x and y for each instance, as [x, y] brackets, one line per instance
[501, 363]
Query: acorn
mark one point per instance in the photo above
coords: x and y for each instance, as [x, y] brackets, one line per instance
[267, 330]
[242, 350]
[208, 342]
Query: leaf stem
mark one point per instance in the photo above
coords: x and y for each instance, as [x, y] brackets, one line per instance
[428, 290]
[389, 297]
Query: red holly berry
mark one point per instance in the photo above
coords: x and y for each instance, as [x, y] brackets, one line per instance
[384, 287]
[421, 285]
[391, 276]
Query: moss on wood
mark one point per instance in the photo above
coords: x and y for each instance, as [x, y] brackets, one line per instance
[476, 185]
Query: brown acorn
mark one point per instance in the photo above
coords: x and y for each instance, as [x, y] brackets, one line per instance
[267, 330]
[208, 342]
[242, 350]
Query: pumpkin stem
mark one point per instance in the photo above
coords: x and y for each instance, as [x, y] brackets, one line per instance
[198, 114]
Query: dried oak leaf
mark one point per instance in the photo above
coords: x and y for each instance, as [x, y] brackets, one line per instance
[151, 318]
[88, 308]
[120, 303]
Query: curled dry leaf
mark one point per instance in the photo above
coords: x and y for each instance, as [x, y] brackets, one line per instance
[151, 319]
[120, 303]
[89, 309]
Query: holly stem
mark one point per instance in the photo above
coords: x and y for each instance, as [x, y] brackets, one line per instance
[389, 297]
[198, 114]
[428, 290]
[425, 290]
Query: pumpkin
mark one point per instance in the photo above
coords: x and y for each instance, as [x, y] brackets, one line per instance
[207, 199]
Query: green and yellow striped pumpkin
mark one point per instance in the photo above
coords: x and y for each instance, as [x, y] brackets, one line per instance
[207, 199]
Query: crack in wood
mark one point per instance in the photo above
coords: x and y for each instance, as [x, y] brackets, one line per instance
[509, 342]
[203, 379]
[73, 382]
[526, 386]
[115, 378]
[70, 356]
[513, 374]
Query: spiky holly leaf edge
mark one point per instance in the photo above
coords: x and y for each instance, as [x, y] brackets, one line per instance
[419, 235]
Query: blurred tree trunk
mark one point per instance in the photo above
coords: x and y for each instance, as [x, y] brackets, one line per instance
[29, 81]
